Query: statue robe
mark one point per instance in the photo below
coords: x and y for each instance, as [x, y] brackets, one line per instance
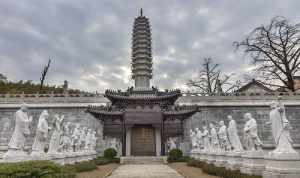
[206, 140]
[251, 138]
[214, 139]
[18, 138]
[233, 136]
[55, 140]
[223, 139]
[41, 135]
[280, 134]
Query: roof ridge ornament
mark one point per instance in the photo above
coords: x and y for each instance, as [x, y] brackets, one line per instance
[141, 12]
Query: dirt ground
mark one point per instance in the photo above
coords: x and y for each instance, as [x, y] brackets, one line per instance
[101, 172]
[188, 171]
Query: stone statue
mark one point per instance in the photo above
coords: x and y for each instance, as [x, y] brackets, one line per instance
[41, 135]
[55, 140]
[89, 140]
[223, 139]
[280, 129]
[21, 132]
[76, 138]
[193, 139]
[233, 135]
[82, 138]
[66, 142]
[205, 135]
[252, 141]
[172, 143]
[94, 140]
[215, 146]
[199, 138]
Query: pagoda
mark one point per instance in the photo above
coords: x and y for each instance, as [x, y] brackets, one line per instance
[142, 117]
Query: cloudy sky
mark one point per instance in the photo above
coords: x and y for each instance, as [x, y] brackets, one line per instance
[89, 41]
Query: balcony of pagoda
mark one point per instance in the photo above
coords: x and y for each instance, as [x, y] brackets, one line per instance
[141, 62]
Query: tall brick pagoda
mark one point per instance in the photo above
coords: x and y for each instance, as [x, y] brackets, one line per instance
[142, 116]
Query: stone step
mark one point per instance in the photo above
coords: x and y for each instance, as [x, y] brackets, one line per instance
[143, 160]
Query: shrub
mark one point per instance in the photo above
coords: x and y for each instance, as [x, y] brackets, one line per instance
[110, 153]
[83, 166]
[218, 171]
[174, 155]
[102, 160]
[34, 169]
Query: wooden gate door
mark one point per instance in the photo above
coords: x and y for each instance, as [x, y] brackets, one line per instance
[143, 141]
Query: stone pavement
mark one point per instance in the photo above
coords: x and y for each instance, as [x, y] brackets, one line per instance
[144, 171]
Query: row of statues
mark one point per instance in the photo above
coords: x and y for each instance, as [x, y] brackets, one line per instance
[222, 138]
[62, 139]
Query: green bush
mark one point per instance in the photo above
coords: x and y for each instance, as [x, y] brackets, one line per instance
[34, 169]
[82, 166]
[218, 171]
[102, 160]
[175, 155]
[110, 153]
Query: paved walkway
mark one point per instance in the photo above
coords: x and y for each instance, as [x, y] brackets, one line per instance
[144, 171]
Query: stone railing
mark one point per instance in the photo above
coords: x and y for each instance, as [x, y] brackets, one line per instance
[35, 98]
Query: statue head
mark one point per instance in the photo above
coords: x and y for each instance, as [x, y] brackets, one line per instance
[229, 117]
[247, 116]
[24, 107]
[274, 104]
[44, 114]
[211, 125]
[221, 123]
[205, 127]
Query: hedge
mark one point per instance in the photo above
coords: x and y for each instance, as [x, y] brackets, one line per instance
[219, 171]
[175, 155]
[110, 153]
[34, 169]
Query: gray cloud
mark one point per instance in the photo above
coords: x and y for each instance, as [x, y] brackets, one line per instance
[89, 41]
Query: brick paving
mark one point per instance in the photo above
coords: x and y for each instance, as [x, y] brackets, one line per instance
[145, 171]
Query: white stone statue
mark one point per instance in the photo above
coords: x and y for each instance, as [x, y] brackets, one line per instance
[82, 138]
[76, 142]
[193, 139]
[233, 135]
[252, 141]
[206, 142]
[21, 132]
[89, 140]
[56, 136]
[280, 130]
[199, 138]
[41, 135]
[215, 145]
[223, 139]
[66, 141]
[94, 141]
[172, 143]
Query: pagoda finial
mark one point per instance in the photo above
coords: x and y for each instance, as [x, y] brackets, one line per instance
[141, 11]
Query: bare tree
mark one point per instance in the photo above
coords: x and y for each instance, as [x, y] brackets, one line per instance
[211, 81]
[44, 73]
[275, 50]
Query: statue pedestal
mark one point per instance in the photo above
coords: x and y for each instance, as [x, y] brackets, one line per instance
[35, 155]
[58, 158]
[282, 165]
[204, 156]
[211, 157]
[194, 154]
[15, 156]
[234, 160]
[253, 163]
[220, 159]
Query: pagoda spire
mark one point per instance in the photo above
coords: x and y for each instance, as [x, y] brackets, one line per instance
[141, 53]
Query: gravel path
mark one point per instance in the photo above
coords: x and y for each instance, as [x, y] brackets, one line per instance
[145, 171]
[189, 172]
